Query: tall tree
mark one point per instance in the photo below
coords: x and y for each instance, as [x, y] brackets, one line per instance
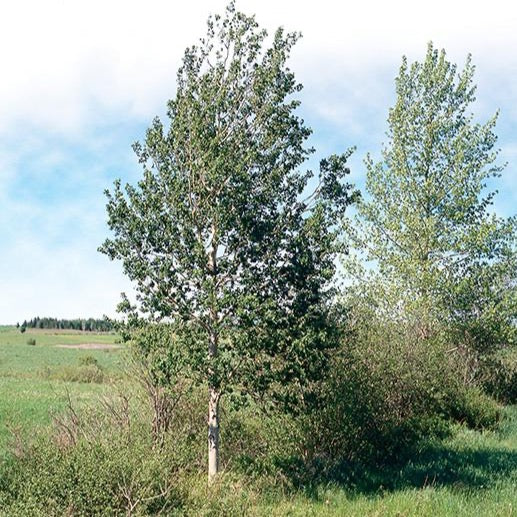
[427, 222]
[220, 236]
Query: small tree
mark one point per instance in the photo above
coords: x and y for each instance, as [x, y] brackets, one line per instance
[427, 222]
[218, 236]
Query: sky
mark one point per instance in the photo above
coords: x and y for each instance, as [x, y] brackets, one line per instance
[81, 80]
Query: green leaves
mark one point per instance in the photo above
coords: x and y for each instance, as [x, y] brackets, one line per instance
[427, 221]
[217, 236]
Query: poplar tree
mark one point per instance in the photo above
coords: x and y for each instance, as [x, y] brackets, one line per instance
[427, 220]
[222, 236]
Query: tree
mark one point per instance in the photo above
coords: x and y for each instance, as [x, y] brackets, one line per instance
[427, 223]
[220, 235]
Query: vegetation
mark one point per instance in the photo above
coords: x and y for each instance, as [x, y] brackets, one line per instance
[101, 460]
[89, 324]
[426, 222]
[217, 237]
[384, 397]
[34, 380]
[445, 266]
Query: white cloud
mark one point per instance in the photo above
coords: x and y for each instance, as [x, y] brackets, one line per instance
[77, 75]
[68, 282]
[67, 62]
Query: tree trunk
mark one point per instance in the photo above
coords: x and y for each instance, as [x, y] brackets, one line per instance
[213, 434]
[214, 392]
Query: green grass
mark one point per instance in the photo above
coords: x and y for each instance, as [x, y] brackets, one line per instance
[10, 335]
[468, 475]
[471, 474]
[30, 387]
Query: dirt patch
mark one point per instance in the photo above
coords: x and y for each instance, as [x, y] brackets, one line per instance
[91, 346]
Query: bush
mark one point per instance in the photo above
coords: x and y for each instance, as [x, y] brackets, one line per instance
[31, 341]
[91, 478]
[86, 374]
[498, 375]
[96, 462]
[474, 408]
[88, 360]
[104, 460]
[88, 371]
[390, 387]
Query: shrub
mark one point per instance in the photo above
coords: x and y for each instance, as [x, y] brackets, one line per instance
[31, 341]
[102, 460]
[88, 371]
[112, 477]
[99, 461]
[88, 360]
[474, 408]
[87, 374]
[498, 375]
[390, 387]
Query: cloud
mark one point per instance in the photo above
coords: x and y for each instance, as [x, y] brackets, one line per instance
[82, 79]
[71, 63]
[65, 281]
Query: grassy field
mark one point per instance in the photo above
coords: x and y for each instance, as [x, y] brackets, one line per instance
[471, 474]
[35, 379]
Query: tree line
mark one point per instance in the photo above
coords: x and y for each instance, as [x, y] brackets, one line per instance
[83, 324]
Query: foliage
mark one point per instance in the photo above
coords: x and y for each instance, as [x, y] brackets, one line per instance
[389, 388]
[215, 235]
[31, 341]
[220, 237]
[108, 465]
[427, 222]
[99, 477]
[159, 365]
[88, 360]
[497, 374]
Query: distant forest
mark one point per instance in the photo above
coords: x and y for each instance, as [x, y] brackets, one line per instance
[89, 324]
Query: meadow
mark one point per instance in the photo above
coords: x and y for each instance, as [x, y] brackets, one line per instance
[35, 380]
[470, 473]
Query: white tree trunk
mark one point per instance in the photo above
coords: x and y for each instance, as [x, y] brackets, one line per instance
[214, 392]
[213, 434]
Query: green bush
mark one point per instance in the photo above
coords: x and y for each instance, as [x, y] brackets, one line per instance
[31, 341]
[86, 374]
[91, 478]
[474, 408]
[104, 460]
[88, 360]
[390, 387]
[88, 371]
[498, 375]
[101, 462]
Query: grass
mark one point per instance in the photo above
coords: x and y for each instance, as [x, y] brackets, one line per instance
[469, 474]
[10, 335]
[33, 381]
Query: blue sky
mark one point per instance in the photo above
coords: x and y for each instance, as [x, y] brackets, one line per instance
[82, 80]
